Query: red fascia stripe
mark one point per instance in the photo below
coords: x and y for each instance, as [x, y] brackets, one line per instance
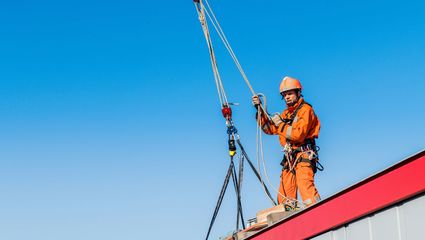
[402, 181]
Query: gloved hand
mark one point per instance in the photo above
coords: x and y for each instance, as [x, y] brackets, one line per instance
[256, 100]
[277, 120]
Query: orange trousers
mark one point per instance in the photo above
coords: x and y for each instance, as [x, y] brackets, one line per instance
[302, 180]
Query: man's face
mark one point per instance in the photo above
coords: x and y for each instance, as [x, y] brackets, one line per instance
[291, 97]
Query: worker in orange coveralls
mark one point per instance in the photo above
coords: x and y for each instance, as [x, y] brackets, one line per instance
[297, 127]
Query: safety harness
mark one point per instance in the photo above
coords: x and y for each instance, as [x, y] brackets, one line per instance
[309, 148]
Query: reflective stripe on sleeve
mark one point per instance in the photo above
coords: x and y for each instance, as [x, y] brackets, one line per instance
[289, 132]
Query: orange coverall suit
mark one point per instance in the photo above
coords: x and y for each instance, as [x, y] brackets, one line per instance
[306, 125]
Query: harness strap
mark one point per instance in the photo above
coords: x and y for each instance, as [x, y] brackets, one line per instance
[290, 120]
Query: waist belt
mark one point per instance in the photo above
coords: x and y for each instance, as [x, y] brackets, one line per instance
[310, 144]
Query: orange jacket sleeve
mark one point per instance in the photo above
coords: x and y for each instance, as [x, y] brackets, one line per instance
[266, 125]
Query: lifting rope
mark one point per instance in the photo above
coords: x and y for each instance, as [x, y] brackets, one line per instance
[219, 84]
[221, 34]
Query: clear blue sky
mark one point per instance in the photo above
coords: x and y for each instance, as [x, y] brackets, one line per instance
[110, 126]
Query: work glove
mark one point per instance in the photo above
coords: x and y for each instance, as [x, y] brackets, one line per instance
[256, 100]
[277, 120]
